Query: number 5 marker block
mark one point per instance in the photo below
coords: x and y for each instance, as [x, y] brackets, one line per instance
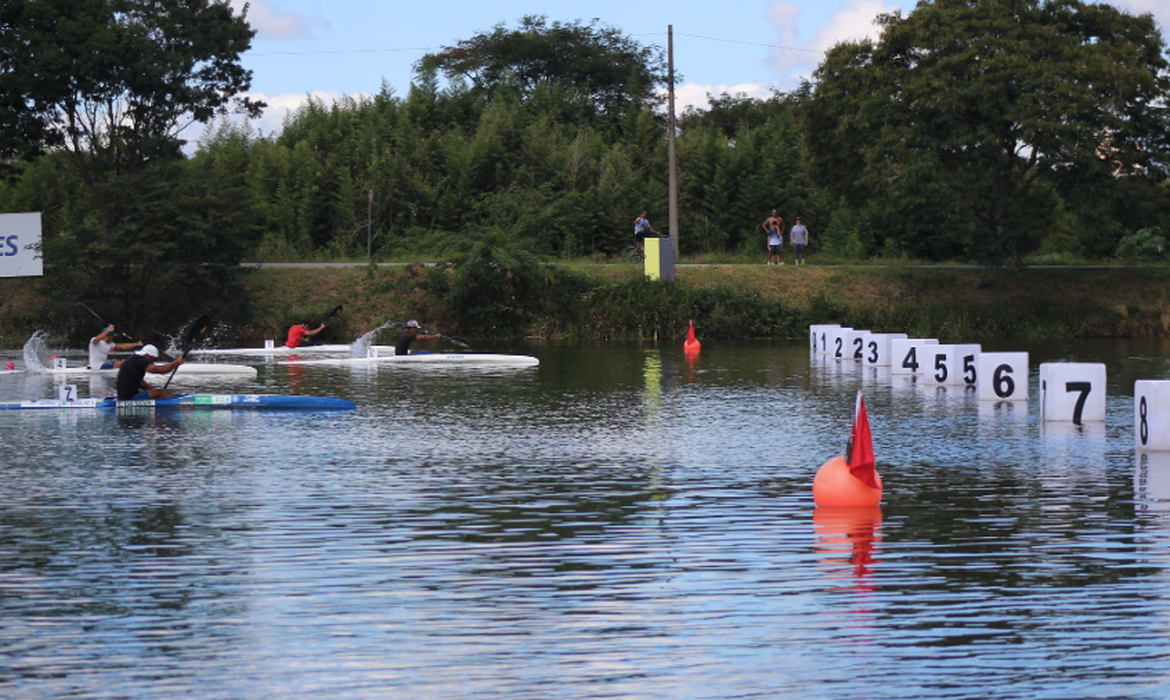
[1072, 391]
[1151, 415]
[951, 364]
[1003, 376]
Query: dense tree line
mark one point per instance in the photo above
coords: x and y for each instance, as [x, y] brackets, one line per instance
[981, 130]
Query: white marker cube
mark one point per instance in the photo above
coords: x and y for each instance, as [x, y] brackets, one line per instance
[907, 355]
[836, 347]
[1072, 391]
[269, 343]
[855, 345]
[1151, 415]
[1003, 376]
[877, 348]
[818, 336]
[953, 365]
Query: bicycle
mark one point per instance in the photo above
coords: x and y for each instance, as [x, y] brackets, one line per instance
[634, 254]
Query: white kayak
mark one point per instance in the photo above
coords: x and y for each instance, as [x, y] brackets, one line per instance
[279, 350]
[187, 369]
[422, 358]
[189, 401]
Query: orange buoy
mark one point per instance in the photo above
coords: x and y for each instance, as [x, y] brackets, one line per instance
[692, 344]
[851, 481]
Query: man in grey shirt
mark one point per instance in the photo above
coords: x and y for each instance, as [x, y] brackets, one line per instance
[799, 240]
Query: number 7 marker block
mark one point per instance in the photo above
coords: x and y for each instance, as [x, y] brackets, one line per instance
[1072, 391]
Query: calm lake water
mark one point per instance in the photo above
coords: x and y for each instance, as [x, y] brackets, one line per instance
[615, 523]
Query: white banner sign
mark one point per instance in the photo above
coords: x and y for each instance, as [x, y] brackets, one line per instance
[20, 245]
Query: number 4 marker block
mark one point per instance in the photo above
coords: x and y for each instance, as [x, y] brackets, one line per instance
[1151, 415]
[908, 355]
[1072, 391]
[1003, 376]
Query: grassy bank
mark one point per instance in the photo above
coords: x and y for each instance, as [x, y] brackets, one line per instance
[615, 301]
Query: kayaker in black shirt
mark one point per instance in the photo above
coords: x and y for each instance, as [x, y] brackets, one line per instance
[132, 384]
[408, 335]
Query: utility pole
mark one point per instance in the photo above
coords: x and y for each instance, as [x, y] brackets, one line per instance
[672, 165]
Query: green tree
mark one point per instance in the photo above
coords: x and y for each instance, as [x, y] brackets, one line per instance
[606, 73]
[966, 112]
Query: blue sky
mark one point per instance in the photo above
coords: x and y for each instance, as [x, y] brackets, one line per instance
[333, 48]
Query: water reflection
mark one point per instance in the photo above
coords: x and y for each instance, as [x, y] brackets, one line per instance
[618, 521]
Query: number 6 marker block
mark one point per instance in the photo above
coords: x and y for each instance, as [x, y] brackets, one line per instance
[1151, 415]
[1072, 391]
[1003, 376]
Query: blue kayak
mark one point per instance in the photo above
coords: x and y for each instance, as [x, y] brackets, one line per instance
[194, 401]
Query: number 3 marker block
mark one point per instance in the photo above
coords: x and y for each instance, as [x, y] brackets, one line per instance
[1151, 415]
[1072, 391]
[877, 349]
[1003, 376]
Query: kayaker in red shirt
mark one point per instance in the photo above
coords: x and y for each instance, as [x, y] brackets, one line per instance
[299, 332]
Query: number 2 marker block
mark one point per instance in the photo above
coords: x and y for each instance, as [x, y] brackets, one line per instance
[1003, 376]
[1151, 415]
[1072, 391]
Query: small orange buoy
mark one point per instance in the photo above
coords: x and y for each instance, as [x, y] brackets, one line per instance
[851, 481]
[692, 344]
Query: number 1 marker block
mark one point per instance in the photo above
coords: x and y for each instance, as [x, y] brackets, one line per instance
[1003, 376]
[1151, 415]
[1072, 391]
[907, 355]
[818, 336]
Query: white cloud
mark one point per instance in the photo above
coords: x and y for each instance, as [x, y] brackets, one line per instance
[272, 22]
[1160, 9]
[281, 106]
[854, 21]
[694, 95]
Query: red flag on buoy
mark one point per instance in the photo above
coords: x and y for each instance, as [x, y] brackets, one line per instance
[692, 343]
[860, 450]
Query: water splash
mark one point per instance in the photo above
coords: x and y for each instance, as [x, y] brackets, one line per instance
[361, 346]
[34, 350]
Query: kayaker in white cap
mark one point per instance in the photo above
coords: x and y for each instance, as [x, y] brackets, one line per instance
[408, 335]
[132, 384]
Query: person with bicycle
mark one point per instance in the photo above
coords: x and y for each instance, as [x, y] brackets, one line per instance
[641, 226]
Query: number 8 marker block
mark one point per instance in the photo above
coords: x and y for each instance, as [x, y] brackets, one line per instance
[1151, 415]
[1003, 376]
[1072, 391]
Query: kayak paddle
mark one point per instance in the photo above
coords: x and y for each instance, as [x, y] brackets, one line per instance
[194, 333]
[455, 340]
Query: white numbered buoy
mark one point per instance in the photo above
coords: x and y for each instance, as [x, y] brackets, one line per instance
[269, 343]
[907, 355]
[1003, 376]
[1151, 415]
[818, 337]
[855, 345]
[950, 364]
[877, 348]
[836, 346]
[67, 393]
[61, 363]
[371, 352]
[1072, 391]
